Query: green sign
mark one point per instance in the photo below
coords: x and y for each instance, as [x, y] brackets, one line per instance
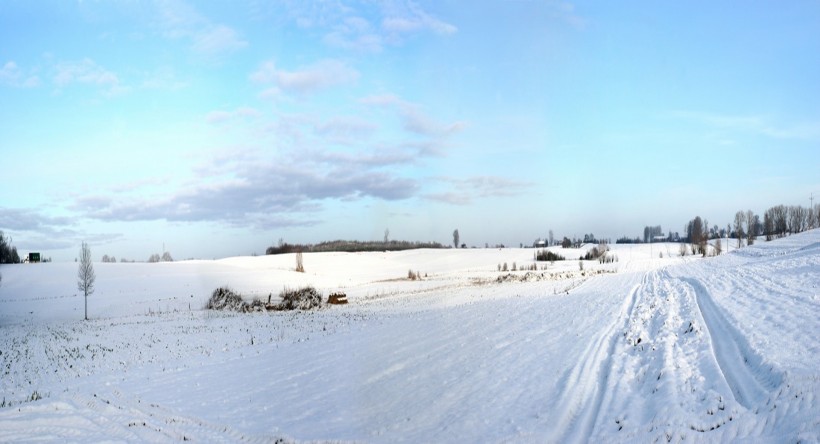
[34, 257]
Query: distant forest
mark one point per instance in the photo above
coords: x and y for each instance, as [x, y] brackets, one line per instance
[777, 221]
[350, 246]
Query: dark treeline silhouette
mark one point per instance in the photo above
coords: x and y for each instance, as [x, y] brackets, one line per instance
[626, 240]
[649, 233]
[350, 246]
[8, 252]
[546, 255]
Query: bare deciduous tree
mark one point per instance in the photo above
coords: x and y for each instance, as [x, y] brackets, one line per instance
[300, 266]
[750, 227]
[85, 275]
[740, 219]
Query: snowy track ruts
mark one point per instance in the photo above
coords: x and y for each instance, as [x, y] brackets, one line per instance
[585, 385]
[669, 365]
[740, 366]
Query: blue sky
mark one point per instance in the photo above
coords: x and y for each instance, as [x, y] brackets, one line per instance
[216, 128]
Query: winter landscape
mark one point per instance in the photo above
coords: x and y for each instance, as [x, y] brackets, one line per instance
[372, 221]
[654, 347]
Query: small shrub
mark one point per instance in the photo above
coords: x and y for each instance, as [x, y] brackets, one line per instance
[504, 268]
[607, 258]
[546, 255]
[682, 250]
[304, 298]
[581, 265]
[514, 268]
[224, 298]
[597, 251]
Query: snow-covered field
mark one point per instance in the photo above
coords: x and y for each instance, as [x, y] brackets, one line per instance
[644, 349]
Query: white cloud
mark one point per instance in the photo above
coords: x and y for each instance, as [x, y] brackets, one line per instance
[12, 75]
[255, 193]
[10, 72]
[219, 116]
[345, 129]
[752, 124]
[402, 25]
[419, 123]
[87, 72]
[364, 26]
[413, 117]
[355, 33]
[217, 39]
[308, 79]
[465, 191]
[45, 232]
[163, 78]
[565, 11]
[409, 17]
[178, 20]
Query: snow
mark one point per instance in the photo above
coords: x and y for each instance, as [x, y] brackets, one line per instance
[648, 348]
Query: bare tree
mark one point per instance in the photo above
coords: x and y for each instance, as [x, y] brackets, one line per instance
[300, 266]
[750, 227]
[386, 235]
[768, 224]
[166, 257]
[85, 275]
[552, 239]
[816, 211]
[740, 219]
[455, 238]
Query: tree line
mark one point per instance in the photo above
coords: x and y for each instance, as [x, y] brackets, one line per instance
[778, 221]
[8, 252]
[349, 246]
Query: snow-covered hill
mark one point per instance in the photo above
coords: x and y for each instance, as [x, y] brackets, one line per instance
[654, 347]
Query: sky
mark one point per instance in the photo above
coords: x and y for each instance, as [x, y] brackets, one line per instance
[214, 129]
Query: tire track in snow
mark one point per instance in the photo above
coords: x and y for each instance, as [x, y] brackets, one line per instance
[739, 365]
[586, 384]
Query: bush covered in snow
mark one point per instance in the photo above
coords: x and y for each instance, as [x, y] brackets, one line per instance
[225, 299]
[546, 255]
[305, 298]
